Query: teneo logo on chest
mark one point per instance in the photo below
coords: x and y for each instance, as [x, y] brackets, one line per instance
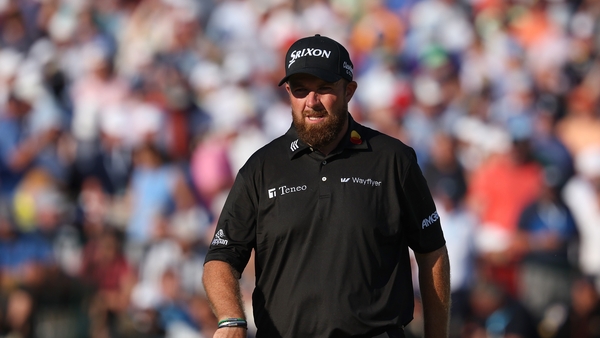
[308, 52]
[284, 190]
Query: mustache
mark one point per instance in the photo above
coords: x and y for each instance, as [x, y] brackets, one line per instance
[314, 113]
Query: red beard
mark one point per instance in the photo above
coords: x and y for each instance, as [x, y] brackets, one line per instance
[321, 134]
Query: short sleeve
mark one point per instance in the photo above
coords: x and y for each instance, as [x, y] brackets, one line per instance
[420, 215]
[235, 233]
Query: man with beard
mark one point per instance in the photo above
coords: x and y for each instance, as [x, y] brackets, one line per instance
[331, 209]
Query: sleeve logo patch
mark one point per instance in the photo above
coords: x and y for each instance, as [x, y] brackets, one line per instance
[219, 238]
[430, 220]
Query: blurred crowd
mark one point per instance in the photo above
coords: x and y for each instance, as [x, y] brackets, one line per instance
[124, 122]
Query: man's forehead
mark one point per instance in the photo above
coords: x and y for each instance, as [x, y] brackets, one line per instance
[304, 78]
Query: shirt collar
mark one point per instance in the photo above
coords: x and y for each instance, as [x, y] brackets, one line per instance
[352, 140]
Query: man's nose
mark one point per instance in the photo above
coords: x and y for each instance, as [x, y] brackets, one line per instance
[313, 100]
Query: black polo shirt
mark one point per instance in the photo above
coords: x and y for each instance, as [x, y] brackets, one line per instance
[330, 234]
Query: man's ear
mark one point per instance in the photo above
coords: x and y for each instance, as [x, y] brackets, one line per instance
[350, 89]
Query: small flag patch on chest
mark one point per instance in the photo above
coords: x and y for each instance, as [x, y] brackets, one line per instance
[355, 137]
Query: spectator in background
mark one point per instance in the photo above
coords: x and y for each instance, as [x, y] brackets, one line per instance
[202, 313]
[548, 149]
[583, 316]
[547, 233]
[580, 129]
[94, 92]
[14, 29]
[151, 190]
[582, 196]
[110, 163]
[111, 278]
[547, 229]
[496, 314]
[498, 190]
[183, 120]
[22, 260]
[92, 208]
[40, 208]
[174, 309]
[26, 140]
[211, 169]
[170, 276]
[41, 217]
[582, 48]
[446, 177]
[444, 171]
[423, 119]
[378, 28]
[27, 261]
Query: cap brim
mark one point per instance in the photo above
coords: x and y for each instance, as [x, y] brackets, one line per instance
[318, 72]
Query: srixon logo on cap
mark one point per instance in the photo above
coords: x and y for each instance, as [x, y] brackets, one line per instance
[308, 52]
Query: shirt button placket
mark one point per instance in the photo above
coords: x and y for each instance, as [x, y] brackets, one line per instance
[324, 204]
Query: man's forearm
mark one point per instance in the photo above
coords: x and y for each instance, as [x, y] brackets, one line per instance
[223, 290]
[434, 283]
